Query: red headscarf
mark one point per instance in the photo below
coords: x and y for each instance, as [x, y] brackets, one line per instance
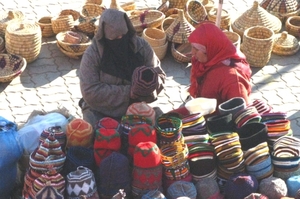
[218, 49]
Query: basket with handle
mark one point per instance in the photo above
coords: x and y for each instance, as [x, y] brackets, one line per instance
[181, 52]
[257, 45]
[195, 12]
[11, 66]
[75, 14]
[285, 44]
[7, 17]
[92, 10]
[167, 22]
[62, 23]
[46, 26]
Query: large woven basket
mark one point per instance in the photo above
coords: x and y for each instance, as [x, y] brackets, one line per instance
[99, 2]
[257, 45]
[46, 26]
[80, 47]
[195, 12]
[181, 52]
[7, 17]
[92, 10]
[11, 66]
[86, 25]
[148, 19]
[128, 6]
[292, 26]
[208, 4]
[75, 14]
[256, 16]
[2, 45]
[285, 44]
[180, 29]
[234, 38]
[62, 23]
[70, 54]
[225, 18]
[167, 22]
[24, 39]
[161, 51]
[155, 37]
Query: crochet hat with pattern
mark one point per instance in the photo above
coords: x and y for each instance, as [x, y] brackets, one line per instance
[107, 123]
[273, 187]
[59, 134]
[146, 155]
[81, 183]
[48, 191]
[182, 189]
[142, 109]
[79, 133]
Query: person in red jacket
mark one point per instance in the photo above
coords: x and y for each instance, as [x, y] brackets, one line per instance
[219, 70]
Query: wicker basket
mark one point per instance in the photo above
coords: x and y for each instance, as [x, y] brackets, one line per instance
[181, 52]
[46, 26]
[285, 44]
[208, 4]
[167, 22]
[234, 38]
[148, 19]
[70, 54]
[257, 45]
[62, 23]
[87, 25]
[128, 6]
[24, 39]
[154, 36]
[161, 51]
[84, 43]
[2, 45]
[98, 2]
[164, 7]
[11, 66]
[92, 10]
[225, 18]
[292, 26]
[195, 12]
[180, 29]
[172, 11]
[75, 14]
[180, 4]
[8, 17]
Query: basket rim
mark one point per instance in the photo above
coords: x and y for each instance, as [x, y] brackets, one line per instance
[18, 72]
[59, 36]
[187, 12]
[141, 24]
[258, 27]
[155, 41]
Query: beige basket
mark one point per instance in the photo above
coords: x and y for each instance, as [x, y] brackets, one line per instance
[70, 54]
[234, 38]
[2, 45]
[62, 23]
[257, 45]
[98, 2]
[172, 11]
[195, 12]
[92, 10]
[181, 52]
[87, 25]
[7, 17]
[128, 6]
[75, 14]
[164, 7]
[161, 51]
[285, 44]
[46, 26]
[24, 39]
[73, 48]
[180, 29]
[225, 18]
[208, 4]
[148, 19]
[166, 23]
[11, 66]
[292, 26]
[154, 36]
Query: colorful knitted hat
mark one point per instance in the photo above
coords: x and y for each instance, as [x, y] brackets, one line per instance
[48, 155]
[256, 196]
[273, 187]
[106, 141]
[48, 191]
[79, 133]
[181, 189]
[146, 155]
[59, 134]
[142, 109]
[261, 106]
[107, 123]
[81, 183]
[154, 194]
[168, 182]
[232, 106]
[245, 116]
[208, 188]
[29, 178]
[79, 156]
[240, 185]
[113, 174]
[140, 133]
[145, 84]
[293, 185]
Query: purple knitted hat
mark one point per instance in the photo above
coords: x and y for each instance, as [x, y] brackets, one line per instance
[273, 187]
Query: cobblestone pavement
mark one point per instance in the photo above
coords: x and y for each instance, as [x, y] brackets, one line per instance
[51, 80]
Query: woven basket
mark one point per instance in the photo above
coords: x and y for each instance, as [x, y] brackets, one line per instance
[8, 17]
[208, 4]
[2, 45]
[181, 52]
[285, 44]
[73, 48]
[98, 2]
[225, 18]
[148, 19]
[166, 23]
[172, 11]
[164, 7]
[92, 10]
[128, 6]
[180, 29]
[11, 66]
[257, 45]
[195, 12]
[62, 23]
[161, 51]
[24, 39]
[234, 38]
[87, 25]
[256, 16]
[75, 14]
[46, 26]
[70, 54]
[180, 4]
[292, 26]
[155, 37]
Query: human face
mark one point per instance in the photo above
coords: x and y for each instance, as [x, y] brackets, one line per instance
[199, 55]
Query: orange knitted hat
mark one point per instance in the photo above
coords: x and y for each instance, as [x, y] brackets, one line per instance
[79, 133]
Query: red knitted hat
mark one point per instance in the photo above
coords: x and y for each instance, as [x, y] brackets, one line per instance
[140, 133]
[142, 109]
[107, 123]
[79, 133]
[146, 155]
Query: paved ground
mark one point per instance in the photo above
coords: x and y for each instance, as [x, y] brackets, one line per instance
[51, 80]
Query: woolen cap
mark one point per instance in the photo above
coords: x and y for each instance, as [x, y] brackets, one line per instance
[142, 109]
[232, 106]
[208, 188]
[182, 189]
[273, 187]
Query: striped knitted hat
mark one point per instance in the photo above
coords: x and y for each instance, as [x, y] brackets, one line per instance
[48, 191]
[79, 133]
[29, 178]
[142, 109]
[59, 134]
[232, 106]
[81, 183]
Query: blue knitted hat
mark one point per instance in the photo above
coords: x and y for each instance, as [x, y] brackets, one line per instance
[293, 185]
[181, 189]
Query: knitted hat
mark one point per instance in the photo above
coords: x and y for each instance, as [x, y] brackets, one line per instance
[154, 194]
[59, 134]
[232, 106]
[220, 123]
[79, 133]
[30, 176]
[142, 109]
[146, 155]
[81, 183]
[208, 188]
[293, 185]
[79, 156]
[168, 182]
[107, 123]
[113, 174]
[256, 196]
[48, 191]
[180, 189]
[145, 84]
[140, 133]
[240, 185]
[273, 187]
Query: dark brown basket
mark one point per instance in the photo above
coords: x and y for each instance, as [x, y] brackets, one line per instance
[11, 66]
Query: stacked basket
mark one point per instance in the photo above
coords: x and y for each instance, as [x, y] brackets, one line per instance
[157, 40]
[8, 17]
